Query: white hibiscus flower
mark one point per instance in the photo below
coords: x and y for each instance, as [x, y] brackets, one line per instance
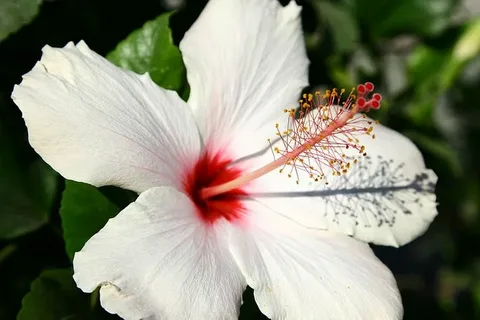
[193, 240]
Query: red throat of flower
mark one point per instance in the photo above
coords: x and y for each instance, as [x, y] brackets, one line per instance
[210, 171]
[316, 133]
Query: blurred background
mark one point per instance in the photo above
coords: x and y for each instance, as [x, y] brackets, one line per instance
[423, 55]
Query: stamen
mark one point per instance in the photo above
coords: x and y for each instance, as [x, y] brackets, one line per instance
[316, 113]
[317, 136]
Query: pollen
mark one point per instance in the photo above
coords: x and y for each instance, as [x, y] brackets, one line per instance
[322, 135]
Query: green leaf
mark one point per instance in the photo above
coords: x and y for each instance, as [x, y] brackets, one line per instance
[425, 64]
[27, 190]
[341, 24]
[433, 71]
[14, 14]
[53, 296]
[425, 67]
[386, 17]
[118, 196]
[7, 251]
[151, 49]
[339, 73]
[84, 211]
[27, 186]
[465, 50]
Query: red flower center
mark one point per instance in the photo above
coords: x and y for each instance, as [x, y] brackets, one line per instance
[209, 171]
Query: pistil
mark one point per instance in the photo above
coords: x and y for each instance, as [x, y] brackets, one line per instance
[303, 143]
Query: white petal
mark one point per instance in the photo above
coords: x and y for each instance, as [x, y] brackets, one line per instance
[297, 273]
[157, 260]
[245, 62]
[96, 123]
[387, 198]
